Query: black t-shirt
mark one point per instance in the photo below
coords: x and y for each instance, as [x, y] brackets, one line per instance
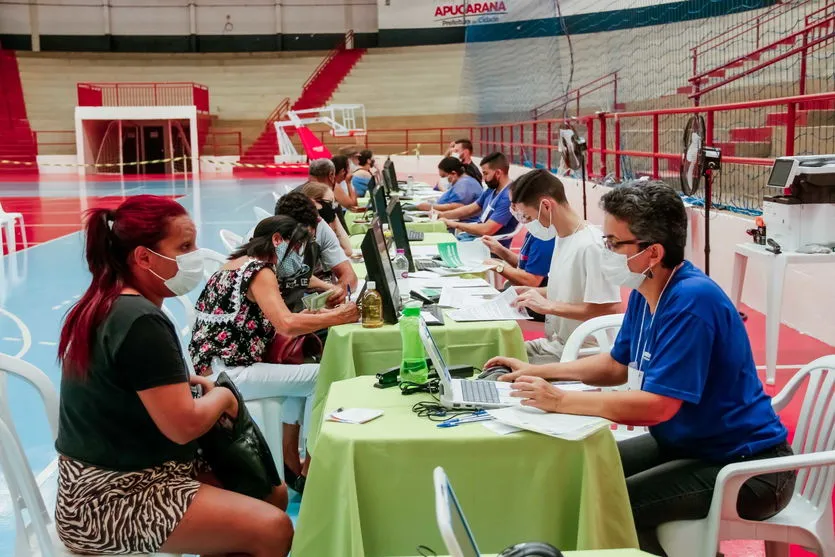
[471, 169]
[102, 420]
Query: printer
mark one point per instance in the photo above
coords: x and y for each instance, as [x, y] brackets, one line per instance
[801, 210]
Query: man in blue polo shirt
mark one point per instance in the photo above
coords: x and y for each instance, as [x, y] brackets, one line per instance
[492, 208]
[685, 357]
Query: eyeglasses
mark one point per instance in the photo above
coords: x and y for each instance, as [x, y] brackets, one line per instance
[612, 245]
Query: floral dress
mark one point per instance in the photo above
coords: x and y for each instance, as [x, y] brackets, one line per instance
[229, 326]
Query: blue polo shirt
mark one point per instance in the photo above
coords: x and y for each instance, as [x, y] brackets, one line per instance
[535, 255]
[465, 191]
[496, 207]
[360, 185]
[696, 350]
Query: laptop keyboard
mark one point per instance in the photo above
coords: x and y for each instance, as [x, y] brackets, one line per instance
[480, 391]
[414, 236]
[426, 264]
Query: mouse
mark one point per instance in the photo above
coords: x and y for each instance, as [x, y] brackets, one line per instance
[493, 373]
[531, 549]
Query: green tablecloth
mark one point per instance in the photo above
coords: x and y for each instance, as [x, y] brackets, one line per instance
[429, 239]
[593, 553]
[355, 227]
[352, 350]
[370, 491]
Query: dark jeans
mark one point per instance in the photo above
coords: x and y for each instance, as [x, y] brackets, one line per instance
[664, 487]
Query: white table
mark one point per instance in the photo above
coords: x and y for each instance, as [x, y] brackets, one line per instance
[775, 279]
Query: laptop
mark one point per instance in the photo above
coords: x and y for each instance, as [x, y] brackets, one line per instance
[465, 393]
[452, 523]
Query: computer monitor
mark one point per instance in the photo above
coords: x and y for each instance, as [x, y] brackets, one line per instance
[397, 225]
[388, 170]
[452, 523]
[379, 269]
[378, 200]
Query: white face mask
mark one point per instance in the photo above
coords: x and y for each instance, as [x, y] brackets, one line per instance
[456, 155]
[189, 272]
[353, 167]
[443, 181]
[615, 268]
[539, 231]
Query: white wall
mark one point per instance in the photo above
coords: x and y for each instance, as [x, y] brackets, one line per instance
[174, 17]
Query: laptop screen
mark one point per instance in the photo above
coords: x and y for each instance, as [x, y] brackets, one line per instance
[460, 528]
[434, 354]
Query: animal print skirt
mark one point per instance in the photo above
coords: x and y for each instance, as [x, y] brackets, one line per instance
[105, 511]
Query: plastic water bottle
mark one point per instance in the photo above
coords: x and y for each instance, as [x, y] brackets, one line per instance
[401, 272]
[413, 364]
[372, 307]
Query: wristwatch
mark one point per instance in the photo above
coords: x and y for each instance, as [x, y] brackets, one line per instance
[500, 268]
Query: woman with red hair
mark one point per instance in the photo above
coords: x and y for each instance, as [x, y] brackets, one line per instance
[128, 468]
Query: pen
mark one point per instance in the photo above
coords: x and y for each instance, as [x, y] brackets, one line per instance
[349, 291]
[457, 421]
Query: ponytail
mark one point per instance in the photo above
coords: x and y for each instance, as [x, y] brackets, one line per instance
[111, 236]
[260, 246]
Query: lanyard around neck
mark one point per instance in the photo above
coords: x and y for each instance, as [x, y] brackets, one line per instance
[639, 357]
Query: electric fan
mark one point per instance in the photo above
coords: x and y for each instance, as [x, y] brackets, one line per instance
[573, 150]
[698, 160]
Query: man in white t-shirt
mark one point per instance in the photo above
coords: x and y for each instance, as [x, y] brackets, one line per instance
[577, 290]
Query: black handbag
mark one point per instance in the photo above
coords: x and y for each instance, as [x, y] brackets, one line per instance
[239, 456]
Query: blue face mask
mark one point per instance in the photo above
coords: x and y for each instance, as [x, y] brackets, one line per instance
[289, 264]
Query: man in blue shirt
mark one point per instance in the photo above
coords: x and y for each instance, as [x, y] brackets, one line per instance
[529, 267]
[689, 371]
[463, 189]
[492, 208]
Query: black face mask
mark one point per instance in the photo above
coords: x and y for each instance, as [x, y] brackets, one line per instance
[492, 184]
[326, 212]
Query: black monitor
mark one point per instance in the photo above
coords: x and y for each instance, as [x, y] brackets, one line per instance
[379, 269]
[390, 175]
[378, 200]
[398, 230]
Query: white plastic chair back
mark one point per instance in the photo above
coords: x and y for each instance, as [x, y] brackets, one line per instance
[807, 520]
[230, 240]
[604, 329]
[261, 214]
[27, 500]
[815, 427]
[212, 262]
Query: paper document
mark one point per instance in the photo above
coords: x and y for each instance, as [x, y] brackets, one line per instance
[562, 426]
[430, 318]
[497, 309]
[354, 415]
[424, 252]
[454, 297]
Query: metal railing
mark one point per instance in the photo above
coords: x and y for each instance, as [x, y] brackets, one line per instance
[819, 32]
[402, 140]
[753, 25]
[342, 45]
[144, 94]
[576, 94]
[521, 140]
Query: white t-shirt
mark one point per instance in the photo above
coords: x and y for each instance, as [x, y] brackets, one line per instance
[575, 278]
[331, 253]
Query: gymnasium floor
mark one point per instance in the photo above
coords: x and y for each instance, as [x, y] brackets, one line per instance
[39, 283]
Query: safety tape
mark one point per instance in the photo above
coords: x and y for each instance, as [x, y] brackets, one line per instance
[157, 161]
[285, 166]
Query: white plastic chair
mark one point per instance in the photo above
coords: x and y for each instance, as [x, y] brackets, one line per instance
[807, 520]
[603, 329]
[230, 240]
[261, 214]
[8, 220]
[39, 531]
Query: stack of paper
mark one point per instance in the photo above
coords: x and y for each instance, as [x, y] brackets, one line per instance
[354, 415]
[499, 308]
[459, 297]
[562, 426]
